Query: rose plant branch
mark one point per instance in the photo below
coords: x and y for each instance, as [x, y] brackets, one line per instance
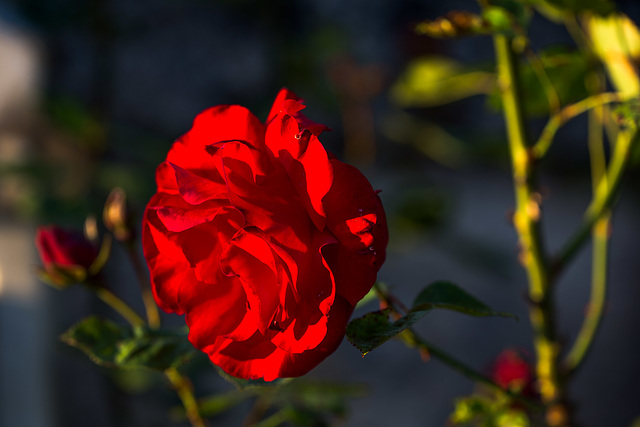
[527, 224]
[569, 112]
[599, 252]
[600, 230]
[151, 309]
[184, 389]
[181, 384]
[603, 199]
[118, 305]
[413, 340]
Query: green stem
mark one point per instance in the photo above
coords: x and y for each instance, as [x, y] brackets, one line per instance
[527, 224]
[151, 309]
[184, 389]
[279, 418]
[593, 317]
[569, 112]
[413, 340]
[181, 384]
[600, 230]
[119, 306]
[602, 200]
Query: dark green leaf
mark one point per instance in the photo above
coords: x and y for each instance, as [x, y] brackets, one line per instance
[449, 296]
[113, 345]
[374, 329]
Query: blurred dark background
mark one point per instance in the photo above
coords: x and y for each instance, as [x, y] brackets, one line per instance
[93, 93]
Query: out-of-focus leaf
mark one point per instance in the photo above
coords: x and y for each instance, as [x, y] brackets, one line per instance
[627, 114]
[432, 81]
[616, 41]
[566, 71]
[423, 208]
[456, 23]
[242, 384]
[112, 345]
[450, 296]
[488, 410]
[556, 10]
[374, 329]
[319, 397]
[519, 10]
[428, 137]
[219, 403]
[499, 19]
[74, 118]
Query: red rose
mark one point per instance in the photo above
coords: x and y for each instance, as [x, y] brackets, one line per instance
[512, 371]
[263, 239]
[66, 248]
[66, 255]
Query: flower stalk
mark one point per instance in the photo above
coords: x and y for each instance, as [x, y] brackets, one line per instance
[151, 309]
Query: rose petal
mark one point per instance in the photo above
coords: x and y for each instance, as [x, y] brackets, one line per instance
[250, 258]
[306, 162]
[169, 268]
[196, 189]
[355, 214]
[257, 358]
[217, 309]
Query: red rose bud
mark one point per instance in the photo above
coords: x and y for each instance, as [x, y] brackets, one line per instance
[263, 239]
[66, 255]
[117, 216]
[511, 371]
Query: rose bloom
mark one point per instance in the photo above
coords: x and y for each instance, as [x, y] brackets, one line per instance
[58, 247]
[263, 239]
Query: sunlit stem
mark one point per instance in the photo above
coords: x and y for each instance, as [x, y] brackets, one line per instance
[603, 198]
[184, 389]
[567, 113]
[526, 221]
[151, 309]
[595, 307]
[118, 305]
[600, 231]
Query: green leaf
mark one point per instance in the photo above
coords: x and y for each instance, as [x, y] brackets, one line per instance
[432, 81]
[449, 296]
[374, 329]
[112, 345]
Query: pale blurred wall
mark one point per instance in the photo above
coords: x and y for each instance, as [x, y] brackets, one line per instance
[24, 386]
